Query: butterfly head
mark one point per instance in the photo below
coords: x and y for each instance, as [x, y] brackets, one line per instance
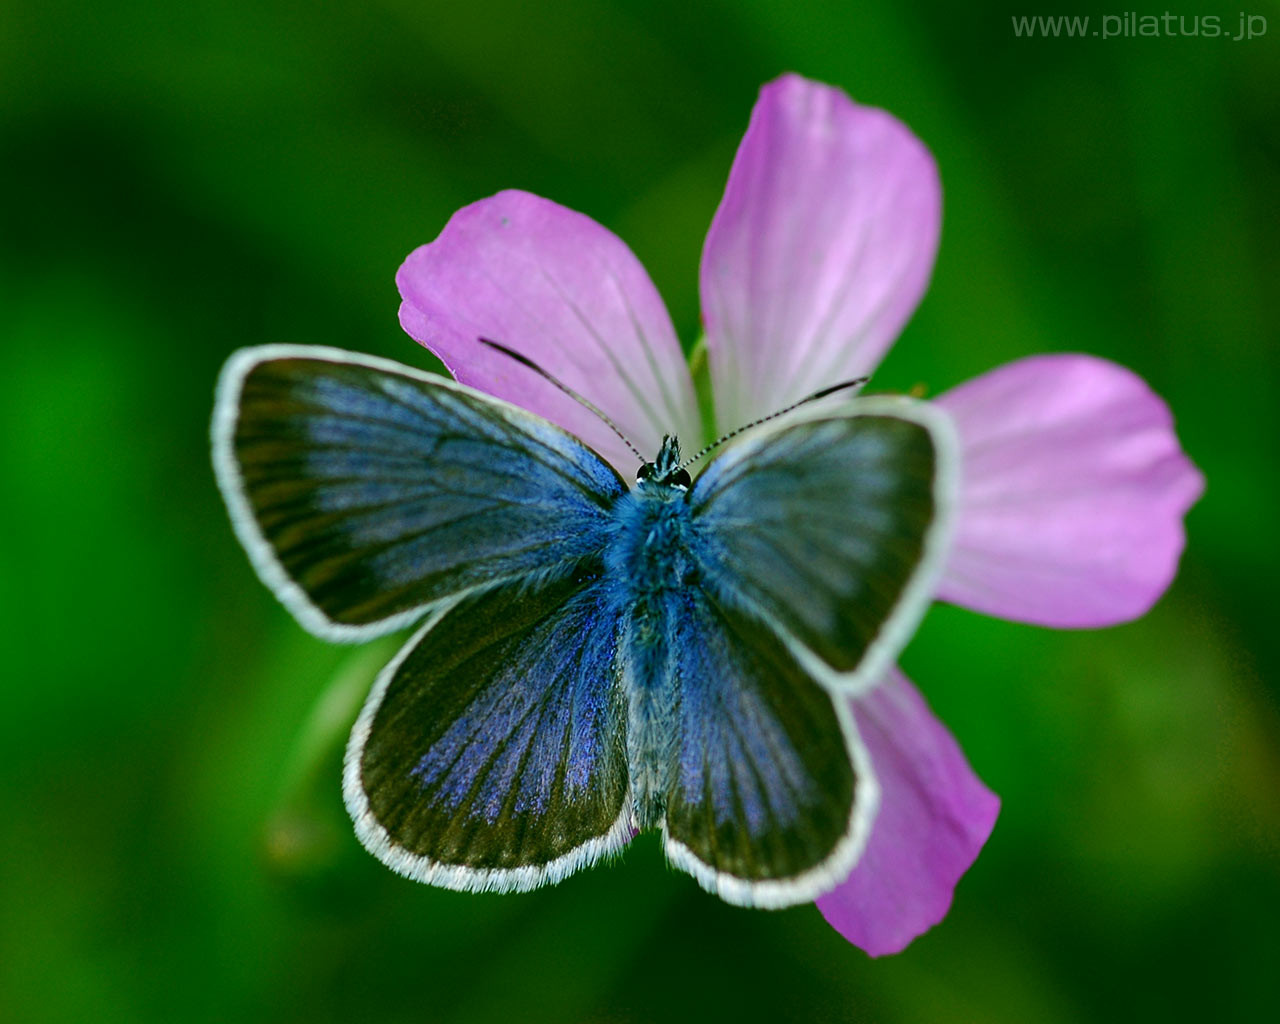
[665, 470]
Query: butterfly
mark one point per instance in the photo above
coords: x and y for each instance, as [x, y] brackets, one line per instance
[593, 658]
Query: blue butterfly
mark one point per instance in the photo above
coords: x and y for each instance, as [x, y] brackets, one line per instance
[594, 659]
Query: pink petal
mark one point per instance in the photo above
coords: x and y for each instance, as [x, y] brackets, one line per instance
[935, 815]
[560, 289]
[820, 250]
[1072, 495]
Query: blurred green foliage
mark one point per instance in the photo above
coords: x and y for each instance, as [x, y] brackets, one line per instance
[180, 180]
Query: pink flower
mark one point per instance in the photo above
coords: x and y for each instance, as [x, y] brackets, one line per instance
[1073, 484]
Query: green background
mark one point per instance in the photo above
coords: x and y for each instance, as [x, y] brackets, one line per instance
[181, 180]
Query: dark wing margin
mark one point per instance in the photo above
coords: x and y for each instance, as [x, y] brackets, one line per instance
[366, 492]
[832, 528]
[771, 796]
[491, 754]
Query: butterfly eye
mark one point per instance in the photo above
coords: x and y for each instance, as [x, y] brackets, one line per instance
[645, 471]
[680, 478]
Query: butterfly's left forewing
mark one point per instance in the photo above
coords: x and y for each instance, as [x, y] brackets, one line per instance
[367, 493]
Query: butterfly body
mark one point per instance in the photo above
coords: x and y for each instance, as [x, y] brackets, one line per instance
[595, 659]
[650, 563]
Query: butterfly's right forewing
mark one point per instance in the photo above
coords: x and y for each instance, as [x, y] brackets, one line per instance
[832, 529]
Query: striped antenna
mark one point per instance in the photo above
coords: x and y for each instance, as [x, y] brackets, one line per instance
[856, 382]
[586, 403]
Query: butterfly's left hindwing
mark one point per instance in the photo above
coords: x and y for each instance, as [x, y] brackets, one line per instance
[492, 753]
[366, 492]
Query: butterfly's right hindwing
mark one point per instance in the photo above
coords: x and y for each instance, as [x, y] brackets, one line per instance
[770, 798]
[367, 492]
